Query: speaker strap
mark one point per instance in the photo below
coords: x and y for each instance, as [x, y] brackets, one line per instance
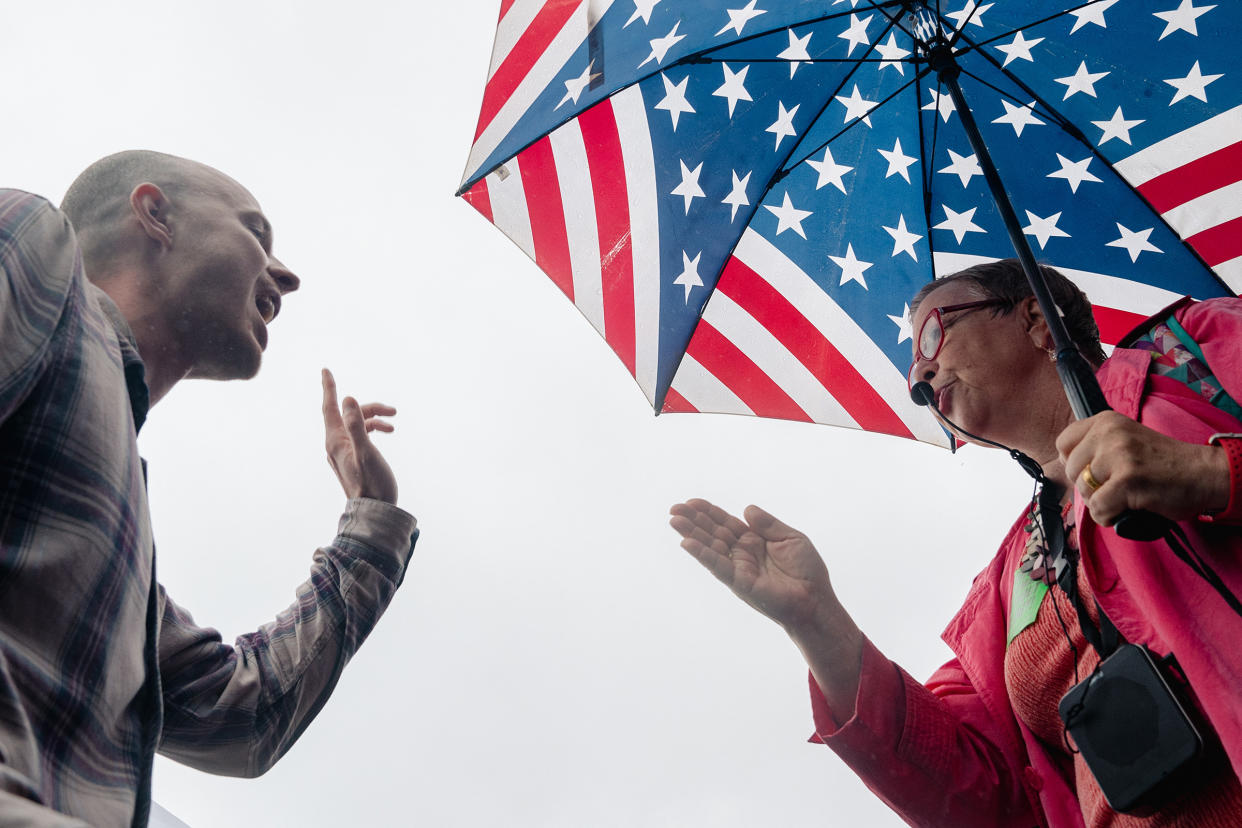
[1105, 638]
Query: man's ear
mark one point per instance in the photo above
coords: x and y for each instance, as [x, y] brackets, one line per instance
[150, 208]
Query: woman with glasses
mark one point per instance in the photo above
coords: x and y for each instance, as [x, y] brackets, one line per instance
[984, 741]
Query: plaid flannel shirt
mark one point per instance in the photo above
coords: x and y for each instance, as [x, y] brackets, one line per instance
[98, 667]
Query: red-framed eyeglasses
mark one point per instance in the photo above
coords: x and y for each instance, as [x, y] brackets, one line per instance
[930, 340]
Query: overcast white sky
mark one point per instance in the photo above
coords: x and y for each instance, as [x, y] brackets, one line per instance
[553, 658]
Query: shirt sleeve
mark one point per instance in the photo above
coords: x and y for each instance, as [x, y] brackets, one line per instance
[20, 811]
[38, 262]
[923, 749]
[236, 710]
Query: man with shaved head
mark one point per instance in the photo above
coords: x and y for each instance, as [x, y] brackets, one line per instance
[155, 269]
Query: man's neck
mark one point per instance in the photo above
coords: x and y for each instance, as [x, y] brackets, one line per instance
[160, 356]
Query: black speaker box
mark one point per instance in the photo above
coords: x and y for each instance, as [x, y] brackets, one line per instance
[1133, 733]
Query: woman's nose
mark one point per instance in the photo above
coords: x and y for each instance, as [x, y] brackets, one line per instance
[923, 370]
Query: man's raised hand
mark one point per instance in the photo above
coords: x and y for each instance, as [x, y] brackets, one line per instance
[358, 464]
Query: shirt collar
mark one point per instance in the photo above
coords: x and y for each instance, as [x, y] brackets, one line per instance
[135, 371]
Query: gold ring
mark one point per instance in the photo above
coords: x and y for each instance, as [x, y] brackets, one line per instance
[1089, 478]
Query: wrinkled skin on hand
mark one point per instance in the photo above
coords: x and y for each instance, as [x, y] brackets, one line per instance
[770, 566]
[1139, 468]
[775, 569]
[359, 466]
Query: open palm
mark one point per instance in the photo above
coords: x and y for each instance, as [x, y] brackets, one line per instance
[767, 564]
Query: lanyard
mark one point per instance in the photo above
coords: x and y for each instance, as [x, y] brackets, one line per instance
[1104, 638]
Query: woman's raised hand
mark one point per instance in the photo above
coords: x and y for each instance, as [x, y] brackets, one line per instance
[777, 571]
[767, 564]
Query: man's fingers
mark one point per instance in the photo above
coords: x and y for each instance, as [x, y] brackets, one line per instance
[331, 413]
[375, 409]
[354, 423]
[368, 415]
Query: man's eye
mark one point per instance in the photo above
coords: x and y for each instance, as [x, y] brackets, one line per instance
[260, 233]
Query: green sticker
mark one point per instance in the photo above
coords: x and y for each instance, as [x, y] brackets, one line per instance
[1028, 594]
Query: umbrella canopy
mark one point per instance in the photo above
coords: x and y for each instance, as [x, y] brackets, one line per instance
[742, 197]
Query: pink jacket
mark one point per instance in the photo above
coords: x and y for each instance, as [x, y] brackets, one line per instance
[951, 752]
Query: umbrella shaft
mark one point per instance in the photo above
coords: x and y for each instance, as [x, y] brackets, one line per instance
[1081, 388]
[1077, 376]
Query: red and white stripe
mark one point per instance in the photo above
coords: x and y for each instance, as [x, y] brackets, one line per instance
[1194, 178]
[582, 203]
[772, 343]
[1118, 304]
[534, 39]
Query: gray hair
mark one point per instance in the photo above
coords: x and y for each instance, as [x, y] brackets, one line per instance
[1005, 280]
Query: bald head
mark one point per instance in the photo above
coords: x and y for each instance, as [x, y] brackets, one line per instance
[98, 202]
[185, 253]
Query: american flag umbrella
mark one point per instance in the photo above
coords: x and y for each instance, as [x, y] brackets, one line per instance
[741, 197]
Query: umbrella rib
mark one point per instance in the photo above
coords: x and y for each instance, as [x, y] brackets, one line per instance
[1043, 108]
[893, 20]
[702, 56]
[960, 34]
[1074, 132]
[981, 43]
[961, 30]
[705, 59]
[1049, 109]
[783, 171]
[784, 168]
[929, 159]
[705, 53]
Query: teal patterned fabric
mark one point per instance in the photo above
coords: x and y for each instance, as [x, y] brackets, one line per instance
[1176, 355]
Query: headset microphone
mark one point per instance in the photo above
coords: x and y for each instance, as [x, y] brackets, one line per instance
[922, 394]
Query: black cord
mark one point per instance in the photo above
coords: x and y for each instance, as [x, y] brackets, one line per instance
[1180, 544]
[1051, 582]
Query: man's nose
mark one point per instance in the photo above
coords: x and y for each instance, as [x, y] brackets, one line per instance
[285, 279]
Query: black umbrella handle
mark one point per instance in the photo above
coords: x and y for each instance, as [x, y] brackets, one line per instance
[1087, 399]
[1081, 387]
[1141, 525]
